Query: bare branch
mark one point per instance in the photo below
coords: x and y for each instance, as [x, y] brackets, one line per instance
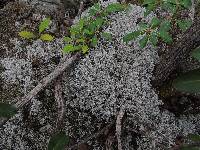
[119, 128]
[45, 81]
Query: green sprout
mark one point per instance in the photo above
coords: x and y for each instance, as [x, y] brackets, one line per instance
[42, 27]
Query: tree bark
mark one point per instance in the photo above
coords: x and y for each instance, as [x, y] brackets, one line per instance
[172, 56]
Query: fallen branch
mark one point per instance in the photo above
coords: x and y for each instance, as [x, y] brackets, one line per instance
[119, 128]
[47, 80]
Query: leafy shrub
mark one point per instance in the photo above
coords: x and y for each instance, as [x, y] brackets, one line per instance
[86, 32]
[160, 27]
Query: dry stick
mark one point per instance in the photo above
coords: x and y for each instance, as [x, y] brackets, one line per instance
[95, 135]
[80, 9]
[45, 81]
[119, 128]
[60, 102]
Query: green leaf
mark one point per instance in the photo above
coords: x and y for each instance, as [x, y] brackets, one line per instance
[67, 39]
[184, 24]
[188, 82]
[196, 54]
[94, 41]
[99, 22]
[81, 24]
[143, 26]
[7, 110]
[46, 37]
[147, 2]
[77, 47]
[107, 36]
[194, 137]
[187, 147]
[44, 24]
[92, 27]
[166, 37]
[85, 49]
[68, 48]
[165, 25]
[143, 41]
[87, 32]
[131, 36]
[172, 2]
[186, 3]
[169, 6]
[75, 29]
[149, 8]
[155, 22]
[26, 34]
[115, 7]
[58, 141]
[95, 9]
[154, 38]
[80, 40]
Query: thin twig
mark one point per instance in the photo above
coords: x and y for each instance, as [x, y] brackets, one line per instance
[60, 102]
[46, 80]
[119, 128]
[80, 9]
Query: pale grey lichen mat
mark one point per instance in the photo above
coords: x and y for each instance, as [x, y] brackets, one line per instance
[116, 75]
[113, 75]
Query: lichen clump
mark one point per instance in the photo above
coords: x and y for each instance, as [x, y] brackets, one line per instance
[113, 75]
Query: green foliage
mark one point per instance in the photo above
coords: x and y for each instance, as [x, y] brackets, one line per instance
[188, 82]
[69, 48]
[150, 5]
[131, 36]
[7, 110]
[165, 36]
[184, 24]
[194, 137]
[154, 38]
[159, 28]
[149, 32]
[85, 49]
[155, 22]
[115, 7]
[185, 3]
[165, 25]
[94, 41]
[67, 39]
[170, 6]
[95, 9]
[186, 147]
[44, 37]
[143, 42]
[196, 54]
[27, 34]
[107, 36]
[87, 31]
[58, 141]
[44, 25]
